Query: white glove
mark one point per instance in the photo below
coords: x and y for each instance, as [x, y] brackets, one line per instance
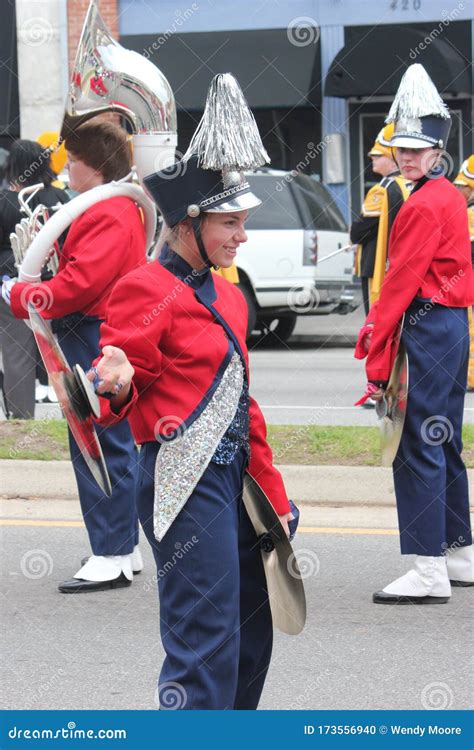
[7, 284]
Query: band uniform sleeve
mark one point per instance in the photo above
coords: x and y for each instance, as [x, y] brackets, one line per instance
[414, 243]
[89, 272]
[125, 328]
[392, 201]
[261, 466]
[372, 204]
[364, 229]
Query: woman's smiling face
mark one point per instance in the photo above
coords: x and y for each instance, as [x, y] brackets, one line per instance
[222, 233]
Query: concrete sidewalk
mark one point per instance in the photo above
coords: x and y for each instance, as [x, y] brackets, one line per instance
[365, 485]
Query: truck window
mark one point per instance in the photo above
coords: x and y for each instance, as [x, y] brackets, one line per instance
[318, 208]
[278, 209]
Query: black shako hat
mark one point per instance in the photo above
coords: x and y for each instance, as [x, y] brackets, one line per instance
[210, 176]
[186, 190]
[421, 117]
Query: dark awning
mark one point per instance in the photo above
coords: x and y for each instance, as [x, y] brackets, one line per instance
[372, 61]
[9, 107]
[271, 70]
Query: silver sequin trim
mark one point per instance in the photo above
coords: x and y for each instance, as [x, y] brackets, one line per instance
[181, 463]
[244, 186]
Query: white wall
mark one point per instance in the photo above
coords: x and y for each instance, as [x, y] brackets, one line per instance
[42, 64]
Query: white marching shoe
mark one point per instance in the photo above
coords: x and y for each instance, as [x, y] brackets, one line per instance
[137, 560]
[99, 573]
[41, 393]
[426, 583]
[460, 562]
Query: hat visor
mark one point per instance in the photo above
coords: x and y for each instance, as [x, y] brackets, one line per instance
[406, 141]
[241, 202]
[460, 180]
[381, 151]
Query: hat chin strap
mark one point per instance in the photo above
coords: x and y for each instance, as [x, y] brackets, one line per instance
[196, 224]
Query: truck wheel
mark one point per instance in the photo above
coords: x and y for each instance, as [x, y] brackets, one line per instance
[252, 307]
[280, 329]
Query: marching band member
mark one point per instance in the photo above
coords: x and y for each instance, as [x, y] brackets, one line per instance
[102, 245]
[381, 205]
[175, 358]
[430, 282]
[465, 184]
[28, 164]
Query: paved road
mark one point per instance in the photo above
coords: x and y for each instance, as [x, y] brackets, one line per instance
[309, 380]
[102, 651]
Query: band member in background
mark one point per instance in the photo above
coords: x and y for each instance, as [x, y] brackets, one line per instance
[429, 282]
[51, 140]
[465, 184]
[27, 164]
[381, 205]
[102, 245]
[174, 355]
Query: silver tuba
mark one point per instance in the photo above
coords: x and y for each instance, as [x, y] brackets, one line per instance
[106, 78]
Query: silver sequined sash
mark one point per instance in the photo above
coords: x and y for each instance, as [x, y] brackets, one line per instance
[181, 462]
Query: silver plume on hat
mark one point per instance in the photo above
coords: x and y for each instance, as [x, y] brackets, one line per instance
[227, 136]
[417, 96]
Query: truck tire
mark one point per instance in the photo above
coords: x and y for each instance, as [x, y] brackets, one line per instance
[252, 307]
[282, 330]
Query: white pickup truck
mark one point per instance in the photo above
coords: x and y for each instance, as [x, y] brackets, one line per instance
[282, 270]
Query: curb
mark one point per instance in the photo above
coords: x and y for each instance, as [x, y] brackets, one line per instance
[340, 485]
[330, 341]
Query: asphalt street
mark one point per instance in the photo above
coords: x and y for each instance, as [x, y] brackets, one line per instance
[102, 651]
[313, 379]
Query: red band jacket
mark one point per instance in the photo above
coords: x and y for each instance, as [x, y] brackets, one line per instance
[102, 245]
[177, 339]
[430, 257]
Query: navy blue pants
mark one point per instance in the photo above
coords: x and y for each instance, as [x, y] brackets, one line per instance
[112, 523]
[215, 618]
[429, 474]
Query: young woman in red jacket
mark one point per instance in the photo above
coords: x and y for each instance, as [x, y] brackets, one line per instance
[175, 358]
[429, 282]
